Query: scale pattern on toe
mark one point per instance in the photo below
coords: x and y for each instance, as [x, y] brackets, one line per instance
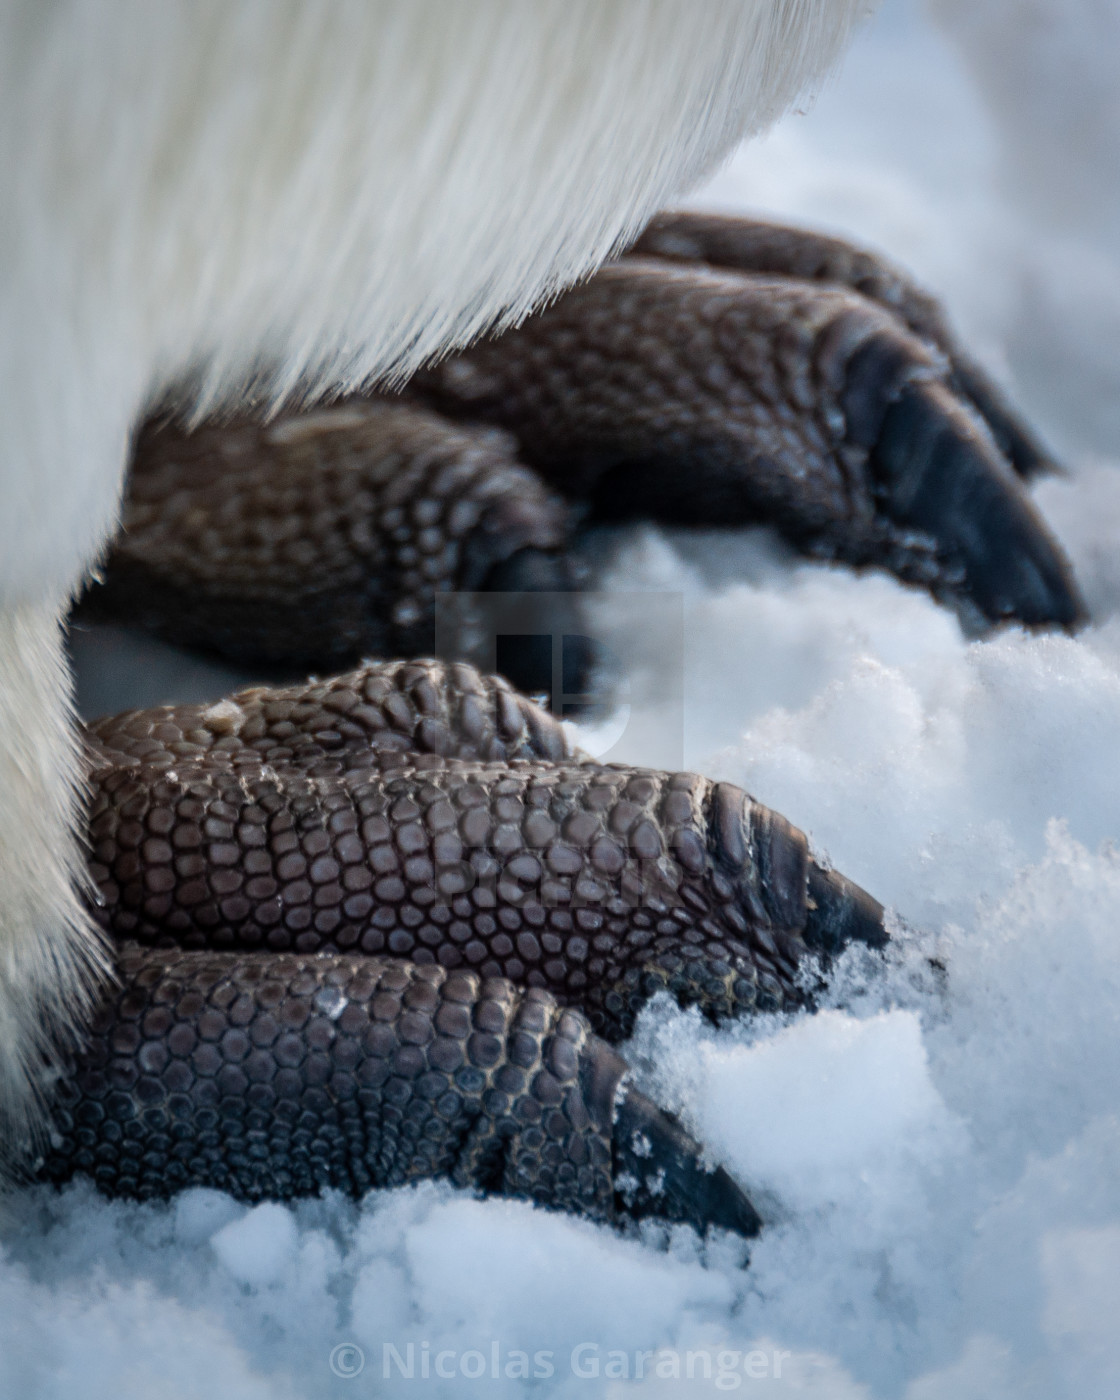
[388, 925]
[726, 372]
[367, 929]
[602, 884]
[278, 1075]
[321, 537]
[699, 395]
[275, 1075]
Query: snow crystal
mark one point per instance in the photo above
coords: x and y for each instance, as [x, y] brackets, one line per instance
[260, 1247]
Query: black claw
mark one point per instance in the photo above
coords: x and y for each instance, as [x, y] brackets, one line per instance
[779, 883]
[941, 473]
[840, 913]
[782, 852]
[659, 1173]
[531, 571]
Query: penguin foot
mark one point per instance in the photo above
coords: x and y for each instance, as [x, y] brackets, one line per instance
[724, 373]
[387, 926]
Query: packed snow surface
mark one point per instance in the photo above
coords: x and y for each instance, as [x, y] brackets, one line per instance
[937, 1152]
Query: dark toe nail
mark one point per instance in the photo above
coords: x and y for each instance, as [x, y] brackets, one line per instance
[779, 883]
[659, 1173]
[941, 473]
[841, 913]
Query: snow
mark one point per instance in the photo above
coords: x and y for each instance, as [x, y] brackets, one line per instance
[938, 1152]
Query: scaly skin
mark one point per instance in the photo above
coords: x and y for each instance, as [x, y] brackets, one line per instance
[321, 537]
[725, 373]
[383, 926]
[275, 1075]
[262, 864]
[758, 246]
[279, 1075]
[702, 395]
[355, 815]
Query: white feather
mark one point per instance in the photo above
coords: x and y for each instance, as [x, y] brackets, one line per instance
[50, 961]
